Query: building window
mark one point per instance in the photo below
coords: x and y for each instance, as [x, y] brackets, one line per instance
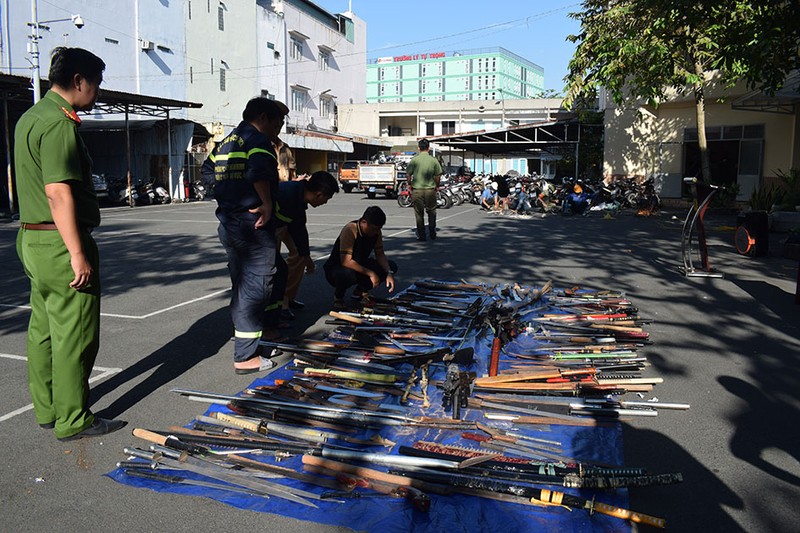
[295, 48]
[324, 60]
[212, 66]
[221, 18]
[429, 128]
[190, 9]
[325, 107]
[298, 99]
[191, 75]
[222, 79]
[448, 126]
[111, 41]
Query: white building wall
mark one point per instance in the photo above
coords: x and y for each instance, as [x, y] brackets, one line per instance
[112, 30]
[642, 140]
[345, 79]
[271, 51]
[233, 49]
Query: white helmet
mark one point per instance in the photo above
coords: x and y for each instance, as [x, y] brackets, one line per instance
[493, 186]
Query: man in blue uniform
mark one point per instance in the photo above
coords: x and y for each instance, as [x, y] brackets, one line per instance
[245, 173]
[293, 200]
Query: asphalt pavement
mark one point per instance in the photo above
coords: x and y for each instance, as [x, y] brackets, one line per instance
[729, 347]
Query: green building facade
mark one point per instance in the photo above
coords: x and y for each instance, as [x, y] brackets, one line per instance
[484, 74]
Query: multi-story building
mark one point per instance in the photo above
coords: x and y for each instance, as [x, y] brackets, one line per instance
[217, 53]
[403, 123]
[484, 74]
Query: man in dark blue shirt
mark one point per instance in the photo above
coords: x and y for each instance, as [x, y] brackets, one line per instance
[245, 173]
[293, 199]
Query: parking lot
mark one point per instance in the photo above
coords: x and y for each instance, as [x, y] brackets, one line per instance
[729, 347]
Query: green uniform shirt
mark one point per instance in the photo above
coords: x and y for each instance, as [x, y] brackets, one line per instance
[423, 169]
[48, 149]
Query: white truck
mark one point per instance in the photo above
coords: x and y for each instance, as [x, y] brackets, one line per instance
[379, 177]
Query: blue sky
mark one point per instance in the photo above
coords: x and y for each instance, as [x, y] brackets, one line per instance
[534, 29]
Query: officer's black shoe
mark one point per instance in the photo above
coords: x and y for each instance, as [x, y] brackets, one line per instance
[49, 425]
[100, 426]
[296, 304]
[286, 314]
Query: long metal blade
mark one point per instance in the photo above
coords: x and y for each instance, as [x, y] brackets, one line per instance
[205, 468]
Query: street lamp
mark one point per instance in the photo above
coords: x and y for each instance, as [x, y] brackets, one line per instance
[33, 45]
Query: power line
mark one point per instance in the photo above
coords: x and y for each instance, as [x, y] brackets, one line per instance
[243, 72]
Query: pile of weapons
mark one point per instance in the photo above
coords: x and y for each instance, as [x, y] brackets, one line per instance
[371, 378]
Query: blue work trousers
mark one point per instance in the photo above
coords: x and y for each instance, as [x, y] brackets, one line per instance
[251, 263]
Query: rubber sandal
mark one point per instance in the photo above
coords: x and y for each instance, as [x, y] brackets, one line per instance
[265, 364]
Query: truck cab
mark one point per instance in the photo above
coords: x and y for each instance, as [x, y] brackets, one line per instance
[348, 175]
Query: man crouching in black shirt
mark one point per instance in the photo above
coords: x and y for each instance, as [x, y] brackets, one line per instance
[351, 263]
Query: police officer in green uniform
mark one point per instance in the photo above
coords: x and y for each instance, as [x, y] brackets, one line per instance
[58, 210]
[423, 173]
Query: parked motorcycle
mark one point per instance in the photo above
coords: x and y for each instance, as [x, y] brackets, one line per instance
[403, 195]
[152, 193]
[120, 194]
[199, 191]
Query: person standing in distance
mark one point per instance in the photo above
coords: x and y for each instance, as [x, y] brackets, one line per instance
[245, 170]
[58, 211]
[423, 173]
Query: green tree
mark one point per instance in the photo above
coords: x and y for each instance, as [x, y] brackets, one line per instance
[640, 49]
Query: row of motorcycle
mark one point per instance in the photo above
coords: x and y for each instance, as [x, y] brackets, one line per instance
[534, 193]
[148, 192]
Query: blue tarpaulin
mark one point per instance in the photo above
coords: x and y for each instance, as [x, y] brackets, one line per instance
[454, 512]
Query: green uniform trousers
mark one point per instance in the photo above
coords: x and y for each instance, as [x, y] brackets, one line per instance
[64, 330]
[424, 201]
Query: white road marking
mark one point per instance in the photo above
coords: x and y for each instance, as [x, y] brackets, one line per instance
[104, 373]
[170, 308]
[188, 302]
[141, 317]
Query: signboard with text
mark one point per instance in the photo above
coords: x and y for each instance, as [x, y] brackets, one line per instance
[411, 57]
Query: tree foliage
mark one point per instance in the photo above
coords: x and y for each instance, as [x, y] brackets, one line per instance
[642, 48]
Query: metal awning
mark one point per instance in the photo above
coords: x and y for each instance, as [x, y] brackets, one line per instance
[784, 101]
[315, 140]
[139, 104]
[18, 88]
[515, 139]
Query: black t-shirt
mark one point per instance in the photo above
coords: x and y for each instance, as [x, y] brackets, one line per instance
[502, 187]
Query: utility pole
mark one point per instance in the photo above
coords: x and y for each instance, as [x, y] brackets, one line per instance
[33, 46]
[33, 49]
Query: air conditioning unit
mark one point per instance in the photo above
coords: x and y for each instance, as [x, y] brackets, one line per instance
[146, 45]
